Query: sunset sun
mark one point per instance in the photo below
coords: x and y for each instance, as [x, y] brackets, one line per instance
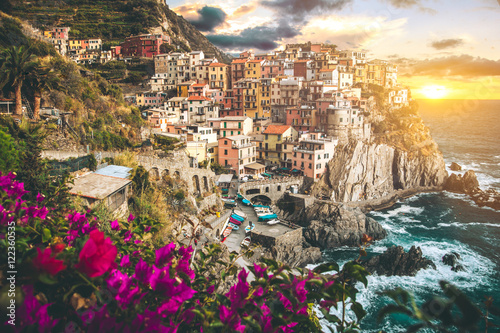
[434, 92]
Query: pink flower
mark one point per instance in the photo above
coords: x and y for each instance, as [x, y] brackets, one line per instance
[97, 256]
[130, 218]
[164, 255]
[125, 262]
[128, 236]
[115, 225]
[46, 262]
[40, 197]
[147, 228]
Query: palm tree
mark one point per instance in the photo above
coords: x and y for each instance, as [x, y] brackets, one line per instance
[41, 79]
[15, 65]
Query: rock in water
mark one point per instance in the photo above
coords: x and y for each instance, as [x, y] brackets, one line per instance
[395, 261]
[455, 167]
[466, 184]
[451, 259]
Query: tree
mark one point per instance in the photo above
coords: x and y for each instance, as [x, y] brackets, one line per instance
[16, 64]
[41, 79]
[8, 153]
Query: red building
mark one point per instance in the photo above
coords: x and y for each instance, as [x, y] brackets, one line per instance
[143, 45]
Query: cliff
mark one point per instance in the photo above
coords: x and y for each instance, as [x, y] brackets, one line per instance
[114, 20]
[401, 158]
[330, 225]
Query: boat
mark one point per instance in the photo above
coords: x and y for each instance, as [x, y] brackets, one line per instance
[261, 206]
[234, 221]
[239, 196]
[249, 228]
[240, 213]
[269, 212]
[263, 210]
[235, 227]
[228, 200]
[246, 241]
[237, 217]
[246, 202]
[230, 204]
[271, 222]
[268, 217]
[227, 231]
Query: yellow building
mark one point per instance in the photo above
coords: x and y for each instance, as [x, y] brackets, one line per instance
[218, 76]
[360, 73]
[48, 34]
[183, 88]
[375, 72]
[277, 141]
[75, 44]
[265, 98]
[253, 69]
[251, 98]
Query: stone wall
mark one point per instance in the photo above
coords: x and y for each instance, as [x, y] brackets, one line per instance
[272, 188]
[291, 238]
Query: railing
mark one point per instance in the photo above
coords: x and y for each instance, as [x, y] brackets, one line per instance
[243, 145]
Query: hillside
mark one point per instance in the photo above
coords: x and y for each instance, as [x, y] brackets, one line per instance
[113, 20]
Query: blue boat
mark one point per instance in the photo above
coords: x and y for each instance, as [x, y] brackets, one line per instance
[261, 206]
[237, 217]
[246, 202]
[239, 196]
[267, 217]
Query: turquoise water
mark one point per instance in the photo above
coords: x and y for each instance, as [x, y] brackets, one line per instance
[467, 133]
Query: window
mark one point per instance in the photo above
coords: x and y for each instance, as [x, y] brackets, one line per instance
[295, 163]
[318, 166]
[327, 155]
[310, 166]
[225, 151]
[319, 157]
[225, 141]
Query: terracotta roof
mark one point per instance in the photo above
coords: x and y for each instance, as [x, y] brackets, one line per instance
[199, 85]
[255, 61]
[239, 61]
[217, 64]
[198, 98]
[276, 129]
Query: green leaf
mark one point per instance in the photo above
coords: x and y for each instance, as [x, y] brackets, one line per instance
[358, 310]
[47, 279]
[46, 235]
[393, 308]
[327, 267]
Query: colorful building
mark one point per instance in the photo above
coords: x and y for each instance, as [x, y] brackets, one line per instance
[277, 144]
[238, 154]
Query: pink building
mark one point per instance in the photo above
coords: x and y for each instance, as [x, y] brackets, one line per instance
[143, 45]
[312, 155]
[238, 154]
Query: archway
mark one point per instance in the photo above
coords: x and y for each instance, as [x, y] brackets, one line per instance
[196, 184]
[253, 191]
[261, 199]
[205, 183]
[177, 174]
[154, 174]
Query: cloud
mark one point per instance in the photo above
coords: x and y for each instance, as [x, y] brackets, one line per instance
[404, 3]
[263, 37]
[299, 9]
[243, 10]
[447, 43]
[463, 65]
[209, 18]
[203, 18]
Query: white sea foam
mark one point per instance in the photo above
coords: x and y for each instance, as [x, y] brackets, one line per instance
[403, 210]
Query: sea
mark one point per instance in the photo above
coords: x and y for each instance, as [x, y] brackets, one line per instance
[468, 133]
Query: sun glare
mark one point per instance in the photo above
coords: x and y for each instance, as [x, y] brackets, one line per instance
[434, 92]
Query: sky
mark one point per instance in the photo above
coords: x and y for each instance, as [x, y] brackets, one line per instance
[443, 48]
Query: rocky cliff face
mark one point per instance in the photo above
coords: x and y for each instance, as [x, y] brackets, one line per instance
[395, 261]
[329, 225]
[362, 170]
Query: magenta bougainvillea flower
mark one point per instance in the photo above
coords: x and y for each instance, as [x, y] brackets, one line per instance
[97, 256]
[47, 263]
[115, 225]
[131, 218]
[164, 255]
[125, 262]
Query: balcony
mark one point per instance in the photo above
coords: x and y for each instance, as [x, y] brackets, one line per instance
[243, 145]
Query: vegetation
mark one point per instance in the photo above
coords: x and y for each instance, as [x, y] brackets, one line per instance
[110, 19]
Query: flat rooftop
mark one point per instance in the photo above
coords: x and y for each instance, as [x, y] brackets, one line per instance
[97, 186]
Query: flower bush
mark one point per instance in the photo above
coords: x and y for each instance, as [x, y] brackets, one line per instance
[76, 273]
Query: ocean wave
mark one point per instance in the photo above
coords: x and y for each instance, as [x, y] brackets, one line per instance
[403, 210]
[453, 224]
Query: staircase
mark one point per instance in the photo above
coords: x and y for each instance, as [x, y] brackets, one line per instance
[28, 107]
